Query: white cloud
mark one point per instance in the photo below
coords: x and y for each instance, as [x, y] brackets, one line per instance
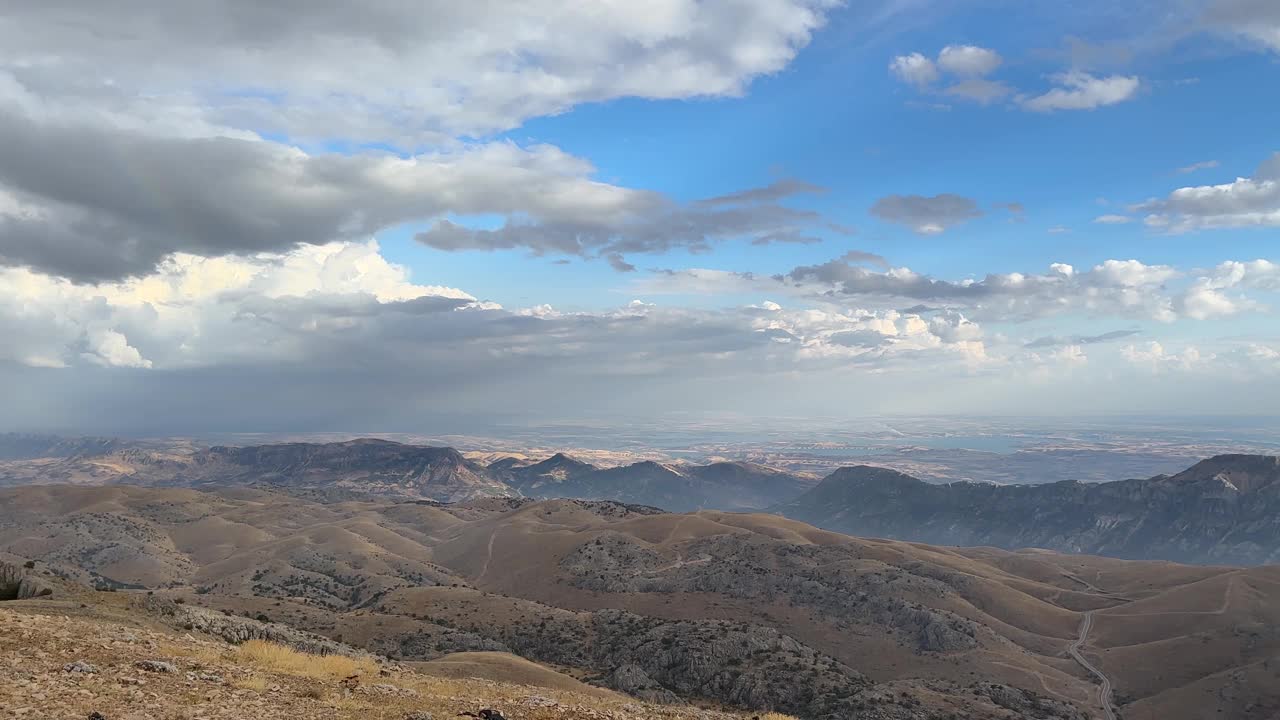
[339, 69]
[1113, 219]
[968, 60]
[1154, 357]
[1246, 202]
[915, 69]
[1082, 91]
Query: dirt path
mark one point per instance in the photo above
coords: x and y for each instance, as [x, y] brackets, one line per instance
[484, 569]
[1104, 682]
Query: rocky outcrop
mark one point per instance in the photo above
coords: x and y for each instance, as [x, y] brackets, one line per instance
[1225, 510]
[238, 630]
[16, 583]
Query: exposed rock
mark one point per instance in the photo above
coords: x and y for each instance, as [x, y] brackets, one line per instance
[156, 666]
[18, 583]
[80, 666]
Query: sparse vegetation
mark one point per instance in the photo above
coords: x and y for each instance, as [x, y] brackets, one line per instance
[281, 658]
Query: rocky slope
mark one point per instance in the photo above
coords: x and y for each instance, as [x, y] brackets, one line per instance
[119, 664]
[1222, 510]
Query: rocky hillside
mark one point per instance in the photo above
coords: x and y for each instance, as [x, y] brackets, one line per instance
[1223, 510]
[121, 664]
[736, 610]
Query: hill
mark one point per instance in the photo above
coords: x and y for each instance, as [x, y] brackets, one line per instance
[750, 610]
[1221, 510]
[90, 656]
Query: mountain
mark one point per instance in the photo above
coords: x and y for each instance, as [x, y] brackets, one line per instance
[749, 611]
[367, 465]
[21, 446]
[1222, 510]
[723, 485]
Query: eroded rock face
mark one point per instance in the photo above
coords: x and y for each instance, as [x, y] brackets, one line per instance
[17, 583]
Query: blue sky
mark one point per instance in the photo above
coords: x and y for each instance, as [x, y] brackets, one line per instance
[691, 205]
[838, 118]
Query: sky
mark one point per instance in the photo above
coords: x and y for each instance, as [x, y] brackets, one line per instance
[243, 217]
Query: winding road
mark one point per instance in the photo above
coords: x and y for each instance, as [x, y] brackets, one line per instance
[1104, 686]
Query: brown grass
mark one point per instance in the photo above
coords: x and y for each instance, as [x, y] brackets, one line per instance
[283, 659]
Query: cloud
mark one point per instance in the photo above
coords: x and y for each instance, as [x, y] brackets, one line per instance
[1112, 219]
[1256, 20]
[1123, 288]
[1154, 357]
[926, 215]
[475, 69]
[1193, 167]
[1246, 202]
[1058, 230]
[968, 60]
[979, 90]
[915, 69]
[94, 203]
[969, 68]
[650, 224]
[1059, 340]
[1081, 91]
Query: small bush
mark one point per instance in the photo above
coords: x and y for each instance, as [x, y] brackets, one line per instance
[29, 564]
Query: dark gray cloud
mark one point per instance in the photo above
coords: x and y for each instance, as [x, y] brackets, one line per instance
[106, 203]
[1059, 340]
[655, 227]
[926, 215]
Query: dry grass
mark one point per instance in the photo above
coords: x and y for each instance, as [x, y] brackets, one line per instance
[775, 716]
[254, 683]
[283, 659]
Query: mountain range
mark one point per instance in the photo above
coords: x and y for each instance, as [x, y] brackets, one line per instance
[1222, 510]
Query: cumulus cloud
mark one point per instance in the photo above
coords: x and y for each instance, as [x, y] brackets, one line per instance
[1245, 202]
[915, 69]
[1127, 288]
[970, 68]
[94, 203]
[1082, 91]
[968, 65]
[968, 60]
[1112, 219]
[475, 68]
[926, 215]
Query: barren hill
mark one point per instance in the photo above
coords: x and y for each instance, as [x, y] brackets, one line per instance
[711, 606]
